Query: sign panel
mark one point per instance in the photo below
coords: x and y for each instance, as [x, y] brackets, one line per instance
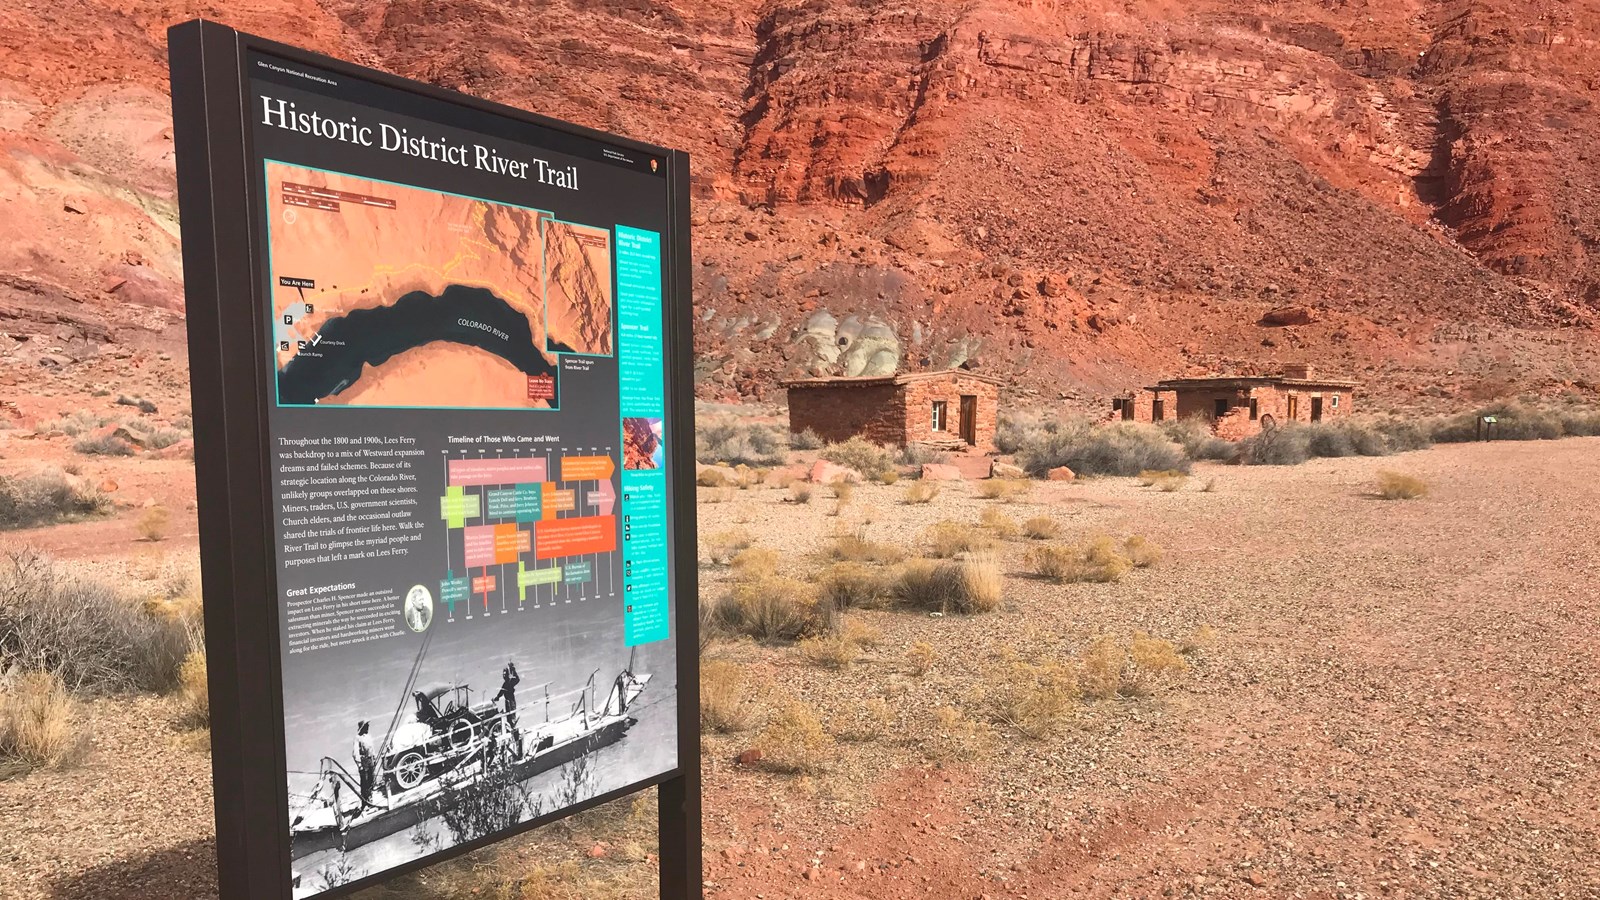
[463, 327]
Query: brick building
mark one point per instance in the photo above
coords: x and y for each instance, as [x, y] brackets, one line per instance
[1240, 406]
[953, 409]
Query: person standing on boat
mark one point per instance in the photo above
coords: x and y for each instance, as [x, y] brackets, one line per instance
[509, 679]
[366, 761]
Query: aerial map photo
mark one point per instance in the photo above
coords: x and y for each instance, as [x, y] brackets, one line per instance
[435, 300]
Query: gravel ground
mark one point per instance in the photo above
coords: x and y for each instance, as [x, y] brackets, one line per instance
[1397, 704]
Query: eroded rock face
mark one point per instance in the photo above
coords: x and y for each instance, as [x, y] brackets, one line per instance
[1073, 197]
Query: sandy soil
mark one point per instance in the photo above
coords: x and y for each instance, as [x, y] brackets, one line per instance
[1396, 705]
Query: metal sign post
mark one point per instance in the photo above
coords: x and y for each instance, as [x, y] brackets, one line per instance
[440, 354]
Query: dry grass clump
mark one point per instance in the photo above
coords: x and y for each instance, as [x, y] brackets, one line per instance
[920, 492]
[971, 585]
[853, 547]
[860, 633]
[96, 638]
[102, 445]
[887, 476]
[1036, 700]
[848, 585]
[1100, 560]
[921, 657]
[152, 526]
[720, 547]
[871, 720]
[725, 705]
[795, 741]
[999, 524]
[1141, 552]
[713, 478]
[831, 651]
[777, 609]
[1042, 528]
[862, 455]
[1003, 489]
[1166, 481]
[754, 564]
[800, 492]
[947, 539]
[46, 498]
[734, 441]
[1399, 486]
[955, 736]
[38, 724]
[1200, 639]
[843, 489]
[194, 692]
[1109, 667]
[806, 440]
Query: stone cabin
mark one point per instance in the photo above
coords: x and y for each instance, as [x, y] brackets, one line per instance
[1241, 406]
[950, 410]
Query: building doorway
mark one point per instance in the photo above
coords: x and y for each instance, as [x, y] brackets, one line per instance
[1221, 408]
[969, 418]
[1158, 410]
[1316, 409]
[1293, 411]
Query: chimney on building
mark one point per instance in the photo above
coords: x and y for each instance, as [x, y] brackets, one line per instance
[1301, 371]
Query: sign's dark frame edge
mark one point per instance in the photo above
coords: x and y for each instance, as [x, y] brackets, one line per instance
[229, 405]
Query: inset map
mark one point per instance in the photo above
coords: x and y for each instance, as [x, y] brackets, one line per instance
[394, 296]
[577, 261]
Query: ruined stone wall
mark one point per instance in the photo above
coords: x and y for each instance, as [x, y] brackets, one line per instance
[875, 412]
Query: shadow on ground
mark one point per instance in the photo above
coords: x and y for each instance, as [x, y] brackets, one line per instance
[183, 872]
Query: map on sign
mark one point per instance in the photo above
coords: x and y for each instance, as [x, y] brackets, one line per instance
[433, 300]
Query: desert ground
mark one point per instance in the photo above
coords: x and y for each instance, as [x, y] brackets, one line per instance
[1377, 699]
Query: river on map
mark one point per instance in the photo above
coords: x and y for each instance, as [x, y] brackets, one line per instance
[369, 337]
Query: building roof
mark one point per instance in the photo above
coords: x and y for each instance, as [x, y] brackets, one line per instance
[1226, 382]
[882, 380]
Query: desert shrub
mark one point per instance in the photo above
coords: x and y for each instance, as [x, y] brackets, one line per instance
[1036, 700]
[848, 585]
[1287, 445]
[921, 657]
[76, 423]
[1580, 422]
[46, 498]
[1003, 489]
[1122, 448]
[712, 624]
[795, 741]
[947, 539]
[54, 619]
[102, 445]
[843, 489]
[1166, 481]
[780, 609]
[968, 586]
[733, 441]
[1042, 528]
[1399, 486]
[1141, 552]
[999, 524]
[887, 476]
[1021, 428]
[194, 693]
[1052, 561]
[859, 633]
[1403, 435]
[862, 455]
[754, 564]
[920, 492]
[921, 455]
[38, 724]
[800, 492]
[1198, 640]
[1100, 668]
[830, 651]
[152, 525]
[806, 440]
[1332, 440]
[1198, 441]
[713, 478]
[1515, 421]
[161, 437]
[720, 547]
[1149, 661]
[1210, 487]
[724, 702]
[854, 547]
[872, 719]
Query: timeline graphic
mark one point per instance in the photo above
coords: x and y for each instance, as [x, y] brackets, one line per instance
[527, 529]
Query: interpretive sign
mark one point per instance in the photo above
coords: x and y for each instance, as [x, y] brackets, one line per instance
[440, 357]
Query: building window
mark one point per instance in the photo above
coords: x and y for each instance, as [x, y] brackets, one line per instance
[1116, 404]
[1222, 407]
[1335, 401]
[1255, 409]
[940, 415]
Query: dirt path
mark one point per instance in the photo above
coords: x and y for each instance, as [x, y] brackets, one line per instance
[1398, 705]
